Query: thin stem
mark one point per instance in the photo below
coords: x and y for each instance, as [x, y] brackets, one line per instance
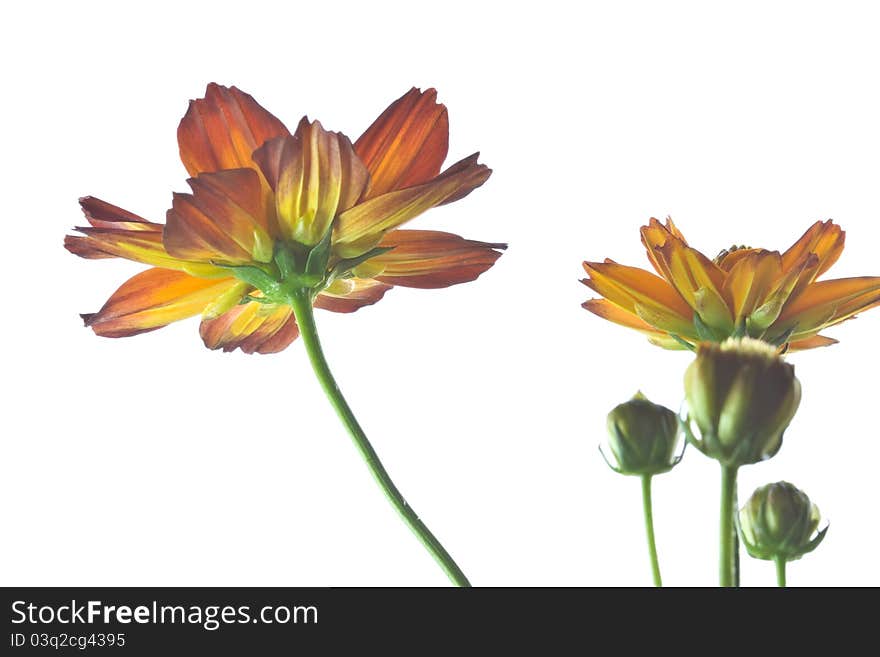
[305, 318]
[649, 529]
[728, 494]
[780, 572]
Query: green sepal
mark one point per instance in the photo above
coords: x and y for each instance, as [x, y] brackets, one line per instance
[284, 260]
[347, 264]
[704, 331]
[319, 256]
[680, 340]
[252, 275]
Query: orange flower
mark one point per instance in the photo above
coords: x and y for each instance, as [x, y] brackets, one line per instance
[268, 206]
[742, 292]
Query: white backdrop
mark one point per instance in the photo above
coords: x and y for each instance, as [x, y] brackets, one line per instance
[153, 461]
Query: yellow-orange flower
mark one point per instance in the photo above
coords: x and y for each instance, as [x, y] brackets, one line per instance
[257, 188]
[744, 291]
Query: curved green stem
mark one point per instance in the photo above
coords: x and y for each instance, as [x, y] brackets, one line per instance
[780, 572]
[302, 309]
[726, 536]
[649, 529]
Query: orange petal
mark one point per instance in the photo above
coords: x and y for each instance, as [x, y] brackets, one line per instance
[115, 232]
[349, 294]
[698, 280]
[811, 343]
[223, 219]
[361, 228]
[613, 313]
[152, 299]
[315, 175]
[635, 290]
[655, 235]
[407, 144]
[223, 129]
[750, 281]
[252, 327]
[825, 239]
[432, 259]
[829, 302]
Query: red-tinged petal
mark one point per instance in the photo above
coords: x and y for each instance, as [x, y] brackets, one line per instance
[224, 219]
[811, 343]
[117, 233]
[825, 239]
[315, 175]
[432, 259]
[349, 294]
[625, 286]
[252, 327]
[223, 129]
[153, 299]
[829, 302]
[361, 228]
[407, 144]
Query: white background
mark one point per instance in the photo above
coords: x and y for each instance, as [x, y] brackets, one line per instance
[153, 461]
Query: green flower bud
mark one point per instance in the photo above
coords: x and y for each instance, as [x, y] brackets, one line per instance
[780, 522]
[741, 396]
[643, 437]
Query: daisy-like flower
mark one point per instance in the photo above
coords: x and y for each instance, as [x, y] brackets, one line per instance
[271, 211]
[279, 223]
[772, 296]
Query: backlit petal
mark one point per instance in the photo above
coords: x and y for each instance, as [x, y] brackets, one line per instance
[349, 294]
[315, 175]
[224, 219]
[361, 228]
[252, 327]
[829, 302]
[811, 343]
[407, 144]
[153, 299]
[698, 280]
[825, 239]
[655, 235]
[115, 232]
[750, 281]
[432, 259]
[223, 129]
[630, 288]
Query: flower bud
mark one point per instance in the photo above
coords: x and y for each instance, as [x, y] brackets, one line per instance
[643, 437]
[780, 522]
[742, 396]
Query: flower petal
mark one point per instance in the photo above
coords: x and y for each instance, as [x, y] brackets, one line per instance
[252, 327]
[811, 343]
[655, 235]
[750, 281]
[825, 239]
[614, 313]
[361, 228]
[346, 295]
[315, 175]
[115, 232]
[223, 219]
[829, 302]
[223, 129]
[698, 280]
[407, 144]
[432, 259]
[632, 288]
[152, 299]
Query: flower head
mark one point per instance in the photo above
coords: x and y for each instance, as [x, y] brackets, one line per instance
[780, 522]
[271, 212]
[742, 292]
[643, 437]
[741, 395]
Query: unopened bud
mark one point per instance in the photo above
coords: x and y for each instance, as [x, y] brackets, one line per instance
[643, 437]
[780, 522]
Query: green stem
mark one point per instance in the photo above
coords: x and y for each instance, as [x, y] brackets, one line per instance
[780, 571]
[726, 536]
[649, 529]
[302, 309]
